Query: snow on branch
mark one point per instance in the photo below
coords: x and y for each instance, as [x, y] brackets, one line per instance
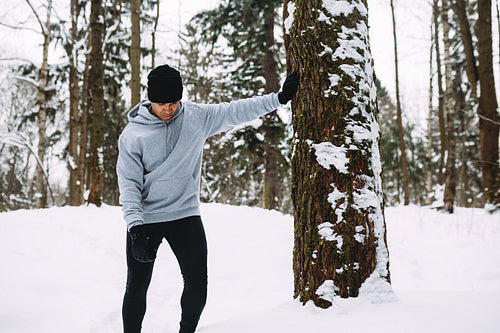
[28, 80]
[21, 141]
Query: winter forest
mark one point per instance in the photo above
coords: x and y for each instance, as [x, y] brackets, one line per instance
[351, 144]
[66, 108]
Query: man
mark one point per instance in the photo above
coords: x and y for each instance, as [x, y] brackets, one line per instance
[159, 167]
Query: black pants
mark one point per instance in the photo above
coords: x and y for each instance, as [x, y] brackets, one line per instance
[187, 239]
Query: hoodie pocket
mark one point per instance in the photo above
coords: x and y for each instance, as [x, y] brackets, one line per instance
[172, 194]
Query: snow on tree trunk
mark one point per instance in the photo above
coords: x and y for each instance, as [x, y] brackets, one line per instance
[74, 182]
[340, 235]
[442, 128]
[83, 165]
[41, 190]
[450, 102]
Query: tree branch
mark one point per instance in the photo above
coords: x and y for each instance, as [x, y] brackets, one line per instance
[490, 120]
[37, 17]
[18, 140]
[18, 28]
[28, 80]
[20, 59]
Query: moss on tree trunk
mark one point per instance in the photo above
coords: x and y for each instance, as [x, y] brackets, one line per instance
[340, 237]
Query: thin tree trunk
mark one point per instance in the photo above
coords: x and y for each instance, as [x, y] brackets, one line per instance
[450, 174]
[442, 129]
[74, 181]
[135, 53]
[41, 190]
[153, 34]
[498, 23]
[462, 180]
[272, 121]
[459, 6]
[487, 109]
[83, 165]
[340, 239]
[402, 146]
[96, 86]
[429, 125]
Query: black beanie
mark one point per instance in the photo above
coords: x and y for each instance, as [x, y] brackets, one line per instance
[164, 85]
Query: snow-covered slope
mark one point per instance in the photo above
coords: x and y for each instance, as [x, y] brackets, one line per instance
[63, 270]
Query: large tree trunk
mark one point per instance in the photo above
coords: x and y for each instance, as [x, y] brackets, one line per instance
[402, 146]
[135, 53]
[97, 90]
[450, 174]
[74, 181]
[272, 122]
[487, 110]
[340, 235]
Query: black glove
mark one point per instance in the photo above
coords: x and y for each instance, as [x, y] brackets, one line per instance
[144, 246]
[289, 88]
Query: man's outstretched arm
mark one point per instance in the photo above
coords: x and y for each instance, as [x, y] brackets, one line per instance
[221, 117]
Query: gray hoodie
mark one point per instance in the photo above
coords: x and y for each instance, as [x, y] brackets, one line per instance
[159, 162]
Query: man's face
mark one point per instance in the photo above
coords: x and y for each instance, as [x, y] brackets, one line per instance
[164, 111]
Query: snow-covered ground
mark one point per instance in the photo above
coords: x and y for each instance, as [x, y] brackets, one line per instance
[63, 270]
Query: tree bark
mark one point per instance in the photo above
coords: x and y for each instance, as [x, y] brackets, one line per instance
[41, 189]
[462, 180]
[340, 236]
[459, 6]
[153, 34]
[135, 53]
[430, 119]
[74, 180]
[442, 128]
[97, 98]
[487, 109]
[83, 165]
[272, 122]
[450, 173]
[498, 26]
[402, 146]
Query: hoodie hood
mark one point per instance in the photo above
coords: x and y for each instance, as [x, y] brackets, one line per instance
[141, 114]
